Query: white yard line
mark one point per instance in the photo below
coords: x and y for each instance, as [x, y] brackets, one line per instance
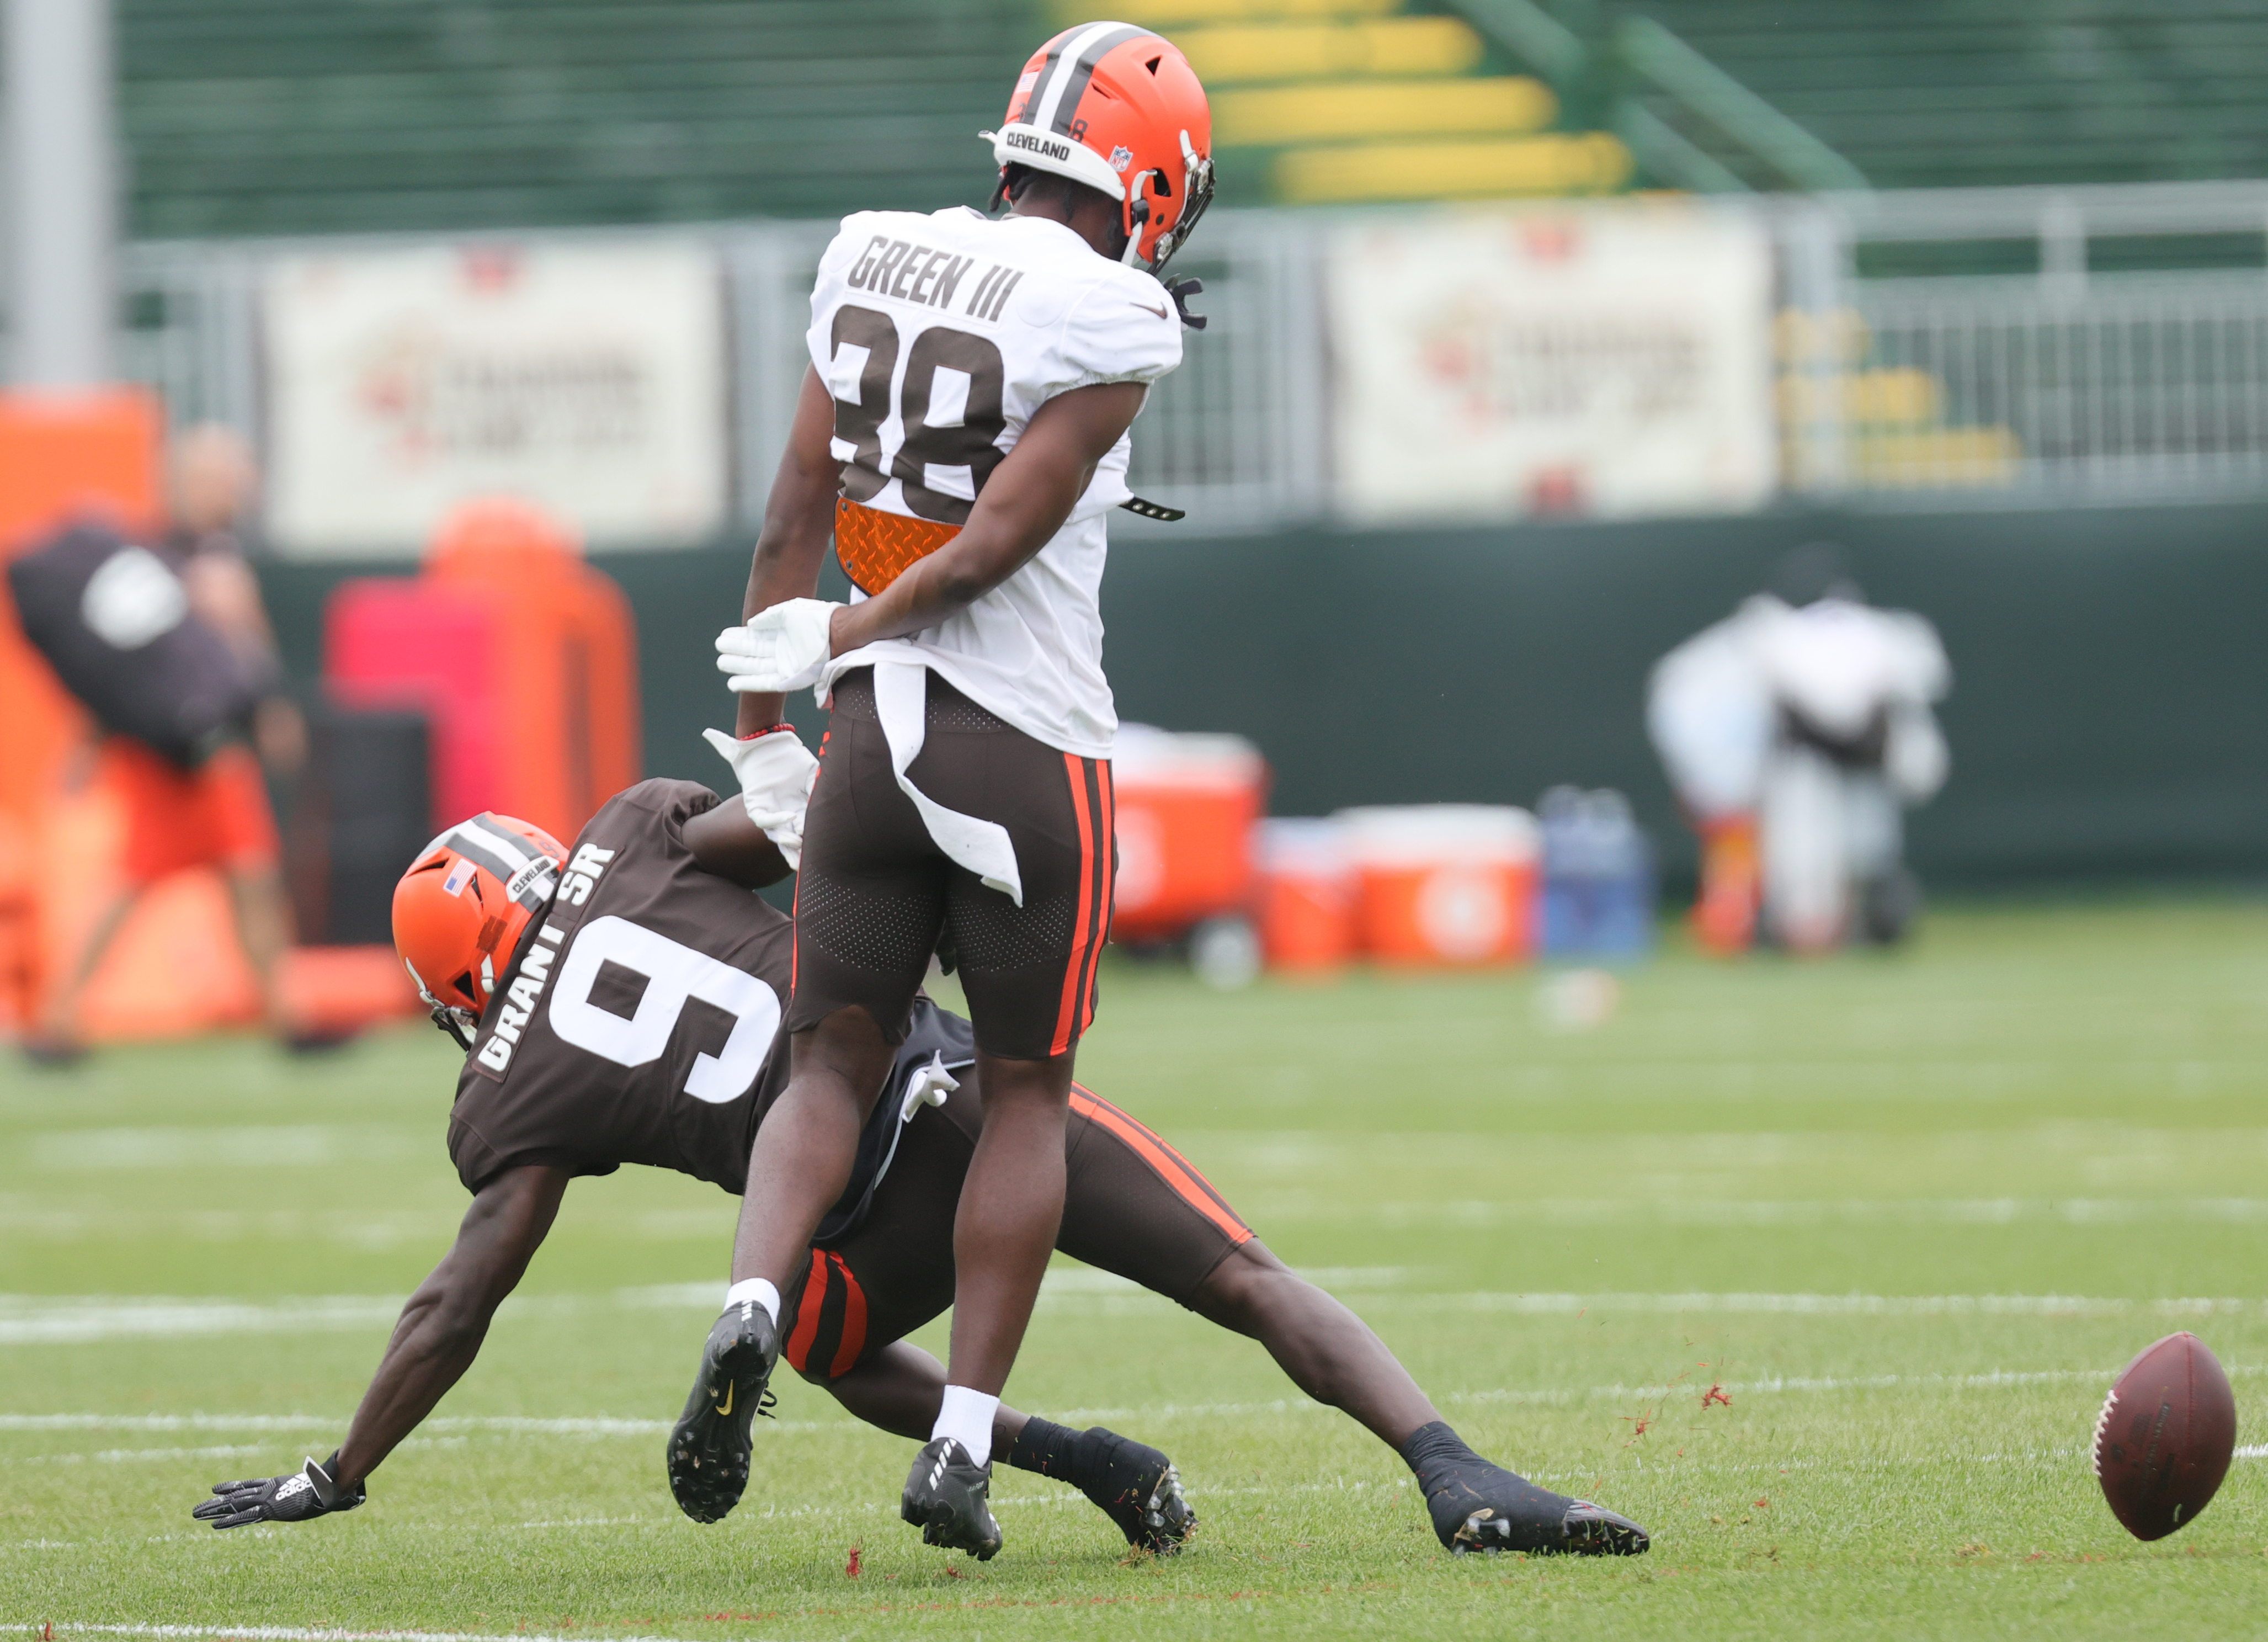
[1280, 1407]
[1469, 1215]
[598, 1425]
[287, 1633]
[27, 1320]
[1827, 1305]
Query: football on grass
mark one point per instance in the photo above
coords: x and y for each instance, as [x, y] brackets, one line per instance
[2163, 1439]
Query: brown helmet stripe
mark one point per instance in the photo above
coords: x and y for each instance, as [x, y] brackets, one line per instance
[1074, 90]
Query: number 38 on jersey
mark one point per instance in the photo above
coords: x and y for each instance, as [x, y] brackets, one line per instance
[938, 336]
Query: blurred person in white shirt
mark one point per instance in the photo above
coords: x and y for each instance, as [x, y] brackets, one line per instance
[1796, 733]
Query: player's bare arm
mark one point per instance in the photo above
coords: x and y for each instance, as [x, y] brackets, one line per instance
[724, 841]
[798, 518]
[438, 1335]
[445, 1321]
[1023, 505]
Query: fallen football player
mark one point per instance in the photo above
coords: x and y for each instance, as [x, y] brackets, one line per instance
[620, 1003]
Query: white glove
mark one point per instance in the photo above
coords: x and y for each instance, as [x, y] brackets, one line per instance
[783, 649]
[776, 772]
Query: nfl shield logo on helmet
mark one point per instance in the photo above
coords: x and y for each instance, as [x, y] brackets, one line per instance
[1120, 157]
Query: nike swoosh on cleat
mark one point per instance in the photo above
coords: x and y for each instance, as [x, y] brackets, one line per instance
[1147, 308]
[725, 1407]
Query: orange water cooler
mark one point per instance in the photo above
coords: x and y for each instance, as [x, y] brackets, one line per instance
[1186, 808]
[1444, 885]
[1305, 895]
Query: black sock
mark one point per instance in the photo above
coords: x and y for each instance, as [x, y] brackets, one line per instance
[1435, 1444]
[1058, 1451]
[1116, 1473]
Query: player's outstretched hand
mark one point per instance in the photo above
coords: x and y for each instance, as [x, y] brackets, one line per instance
[781, 649]
[313, 1491]
[777, 771]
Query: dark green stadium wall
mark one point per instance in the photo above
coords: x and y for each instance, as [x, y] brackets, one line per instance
[2109, 716]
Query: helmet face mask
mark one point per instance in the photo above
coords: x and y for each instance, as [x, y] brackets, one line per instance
[460, 910]
[458, 1021]
[1196, 193]
[1119, 109]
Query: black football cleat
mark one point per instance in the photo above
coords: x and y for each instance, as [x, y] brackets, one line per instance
[1594, 1531]
[949, 1497]
[1477, 1505]
[1139, 1489]
[709, 1450]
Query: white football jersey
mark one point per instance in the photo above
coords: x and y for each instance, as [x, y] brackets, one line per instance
[938, 337]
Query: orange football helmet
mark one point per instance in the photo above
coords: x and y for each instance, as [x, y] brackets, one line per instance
[1118, 108]
[463, 906]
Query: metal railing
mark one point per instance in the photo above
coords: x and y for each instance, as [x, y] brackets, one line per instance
[2062, 383]
[1236, 436]
[2057, 383]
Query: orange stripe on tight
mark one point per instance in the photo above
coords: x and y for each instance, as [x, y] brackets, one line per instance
[1170, 1165]
[807, 1314]
[1106, 883]
[1074, 970]
[854, 1322]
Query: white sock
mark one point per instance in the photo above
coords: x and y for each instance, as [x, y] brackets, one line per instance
[757, 1290]
[967, 1417]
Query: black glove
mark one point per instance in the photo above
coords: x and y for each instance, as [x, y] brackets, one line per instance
[313, 1490]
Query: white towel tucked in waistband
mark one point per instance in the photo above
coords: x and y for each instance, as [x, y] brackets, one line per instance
[902, 703]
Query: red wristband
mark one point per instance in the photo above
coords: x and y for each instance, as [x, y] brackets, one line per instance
[769, 729]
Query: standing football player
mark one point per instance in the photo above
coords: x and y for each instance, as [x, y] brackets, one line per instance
[962, 433]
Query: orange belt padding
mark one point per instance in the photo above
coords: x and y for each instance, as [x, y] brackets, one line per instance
[877, 547]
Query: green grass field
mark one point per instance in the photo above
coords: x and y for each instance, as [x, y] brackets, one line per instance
[1909, 1215]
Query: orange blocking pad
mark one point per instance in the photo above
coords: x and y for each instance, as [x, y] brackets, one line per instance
[329, 990]
[62, 455]
[176, 968]
[1445, 884]
[526, 656]
[1186, 808]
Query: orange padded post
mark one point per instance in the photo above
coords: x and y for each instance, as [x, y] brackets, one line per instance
[567, 664]
[59, 454]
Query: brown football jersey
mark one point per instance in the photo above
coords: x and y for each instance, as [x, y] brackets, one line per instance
[639, 1019]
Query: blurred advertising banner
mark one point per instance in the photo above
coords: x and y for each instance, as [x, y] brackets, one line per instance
[1601, 362]
[590, 379]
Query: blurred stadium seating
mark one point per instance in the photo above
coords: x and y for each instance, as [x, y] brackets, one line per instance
[1319, 101]
[1956, 92]
[267, 116]
[258, 116]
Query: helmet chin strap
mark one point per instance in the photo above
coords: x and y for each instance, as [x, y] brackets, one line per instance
[1135, 218]
[445, 1018]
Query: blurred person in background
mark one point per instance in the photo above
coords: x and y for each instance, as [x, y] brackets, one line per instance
[1796, 732]
[217, 815]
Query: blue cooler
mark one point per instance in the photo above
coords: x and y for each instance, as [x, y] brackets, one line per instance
[1598, 877]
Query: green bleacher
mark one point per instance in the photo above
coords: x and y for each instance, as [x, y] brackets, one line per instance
[290, 116]
[309, 116]
[1923, 93]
